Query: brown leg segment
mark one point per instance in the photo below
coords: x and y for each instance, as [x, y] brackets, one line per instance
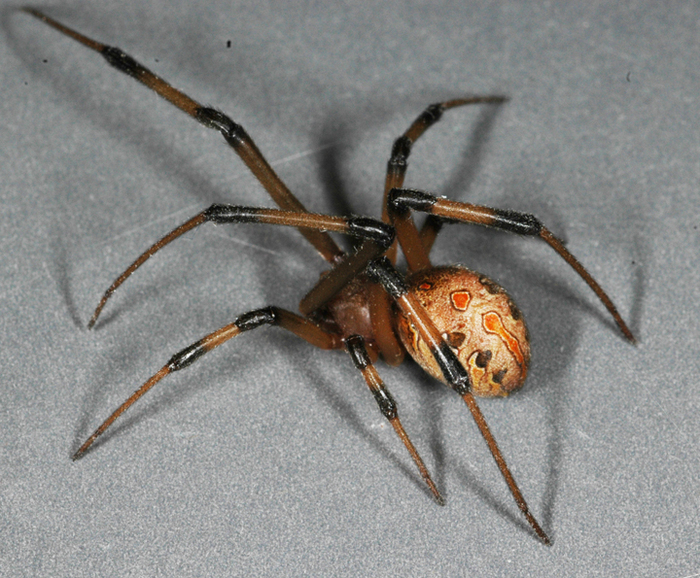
[383, 325]
[234, 134]
[268, 316]
[429, 232]
[332, 282]
[356, 348]
[402, 201]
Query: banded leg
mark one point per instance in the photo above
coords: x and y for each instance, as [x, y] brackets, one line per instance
[391, 350]
[403, 201]
[356, 348]
[268, 316]
[383, 272]
[233, 133]
[398, 162]
[380, 234]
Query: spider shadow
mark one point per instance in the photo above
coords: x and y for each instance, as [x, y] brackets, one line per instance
[391, 452]
[555, 332]
[61, 269]
[571, 300]
[641, 254]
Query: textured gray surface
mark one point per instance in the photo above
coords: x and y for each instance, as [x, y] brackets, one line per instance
[270, 457]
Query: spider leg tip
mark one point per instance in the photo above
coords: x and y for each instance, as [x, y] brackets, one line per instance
[34, 12]
[82, 450]
[541, 533]
[628, 334]
[94, 317]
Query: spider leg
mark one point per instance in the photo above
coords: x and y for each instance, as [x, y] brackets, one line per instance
[380, 307]
[455, 375]
[356, 226]
[403, 201]
[234, 134]
[355, 346]
[398, 162]
[292, 322]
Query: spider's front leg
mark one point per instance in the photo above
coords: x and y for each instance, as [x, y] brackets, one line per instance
[234, 134]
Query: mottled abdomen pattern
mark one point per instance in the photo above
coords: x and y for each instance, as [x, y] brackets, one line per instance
[479, 320]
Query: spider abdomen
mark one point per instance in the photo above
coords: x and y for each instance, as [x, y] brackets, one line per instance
[478, 320]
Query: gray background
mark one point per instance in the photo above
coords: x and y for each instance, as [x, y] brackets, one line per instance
[269, 457]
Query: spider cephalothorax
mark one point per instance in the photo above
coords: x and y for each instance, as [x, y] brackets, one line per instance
[460, 326]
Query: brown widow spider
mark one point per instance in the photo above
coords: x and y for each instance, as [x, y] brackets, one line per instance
[460, 326]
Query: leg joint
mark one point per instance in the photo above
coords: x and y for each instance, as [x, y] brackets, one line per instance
[187, 356]
[400, 152]
[253, 319]
[401, 200]
[386, 403]
[212, 118]
[521, 223]
[117, 58]
[371, 229]
[454, 372]
[356, 348]
[232, 214]
[432, 114]
[382, 271]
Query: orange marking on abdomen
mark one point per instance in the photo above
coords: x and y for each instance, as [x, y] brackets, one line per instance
[493, 324]
[460, 300]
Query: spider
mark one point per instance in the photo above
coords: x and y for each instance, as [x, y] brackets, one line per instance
[459, 326]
